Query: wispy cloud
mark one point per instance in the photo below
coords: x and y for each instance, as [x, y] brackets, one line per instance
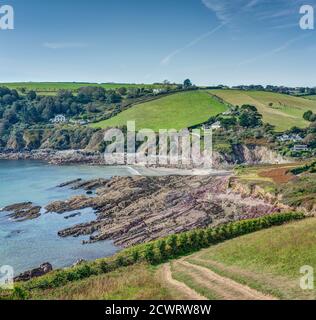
[252, 4]
[166, 60]
[226, 10]
[63, 45]
[281, 48]
[285, 26]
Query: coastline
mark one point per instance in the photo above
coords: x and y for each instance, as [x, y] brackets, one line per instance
[95, 158]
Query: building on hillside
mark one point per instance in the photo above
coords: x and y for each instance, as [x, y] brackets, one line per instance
[158, 91]
[300, 147]
[59, 118]
[79, 122]
[216, 125]
[290, 137]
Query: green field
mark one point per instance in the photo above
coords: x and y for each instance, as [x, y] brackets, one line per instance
[177, 111]
[53, 87]
[285, 112]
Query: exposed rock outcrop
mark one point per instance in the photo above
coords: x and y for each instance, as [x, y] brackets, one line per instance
[23, 211]
[34, 273]
[132, 210]
[241, 154]
[76, 214]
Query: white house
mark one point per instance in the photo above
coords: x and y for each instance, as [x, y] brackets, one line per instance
[60, 118]
[216, 125]
[291, 137]
[158, 91]
[80, 122]
[300, 147]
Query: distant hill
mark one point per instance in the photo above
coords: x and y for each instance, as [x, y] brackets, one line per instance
[53, 87]
[283, 111]
[177, 111]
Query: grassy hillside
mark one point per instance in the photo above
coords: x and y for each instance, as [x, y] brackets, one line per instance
[176, 111]
[283, 111]
[53, 87]
[268, 260]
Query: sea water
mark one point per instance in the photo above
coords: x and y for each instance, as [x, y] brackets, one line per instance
[25, 245]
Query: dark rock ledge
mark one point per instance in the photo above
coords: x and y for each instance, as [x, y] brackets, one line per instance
[22, 211]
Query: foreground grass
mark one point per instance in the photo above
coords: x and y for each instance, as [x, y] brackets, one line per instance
[138, 282]
[268, 260]
[282, 111]
[177, 111]
[154, 253]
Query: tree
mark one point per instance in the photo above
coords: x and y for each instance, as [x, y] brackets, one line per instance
[228, 122]
[122, 91]
[172, 243]
[310, 140]
[307, 115]
[31, 95]
[150, 253]
[161, 245]
[187, 84]
[249, 117]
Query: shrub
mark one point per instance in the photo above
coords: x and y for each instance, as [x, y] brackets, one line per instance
[150, 253]
[135, 255]
[161, 245]
[173, 245]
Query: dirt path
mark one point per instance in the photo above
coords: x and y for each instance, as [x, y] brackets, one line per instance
[186, 291]
[224, 287]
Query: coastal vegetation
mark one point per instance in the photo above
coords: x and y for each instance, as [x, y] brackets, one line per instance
[153, 253]
[244, 116]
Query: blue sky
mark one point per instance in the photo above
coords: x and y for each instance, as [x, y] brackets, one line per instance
[144, 41]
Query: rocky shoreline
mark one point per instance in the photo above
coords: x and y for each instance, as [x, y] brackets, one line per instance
[133, 210]
[241, 155]
[55, 157]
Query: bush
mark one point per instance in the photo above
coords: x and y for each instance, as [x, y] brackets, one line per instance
[150, 253]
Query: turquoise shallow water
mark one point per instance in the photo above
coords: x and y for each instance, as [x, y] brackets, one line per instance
[25, 245]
